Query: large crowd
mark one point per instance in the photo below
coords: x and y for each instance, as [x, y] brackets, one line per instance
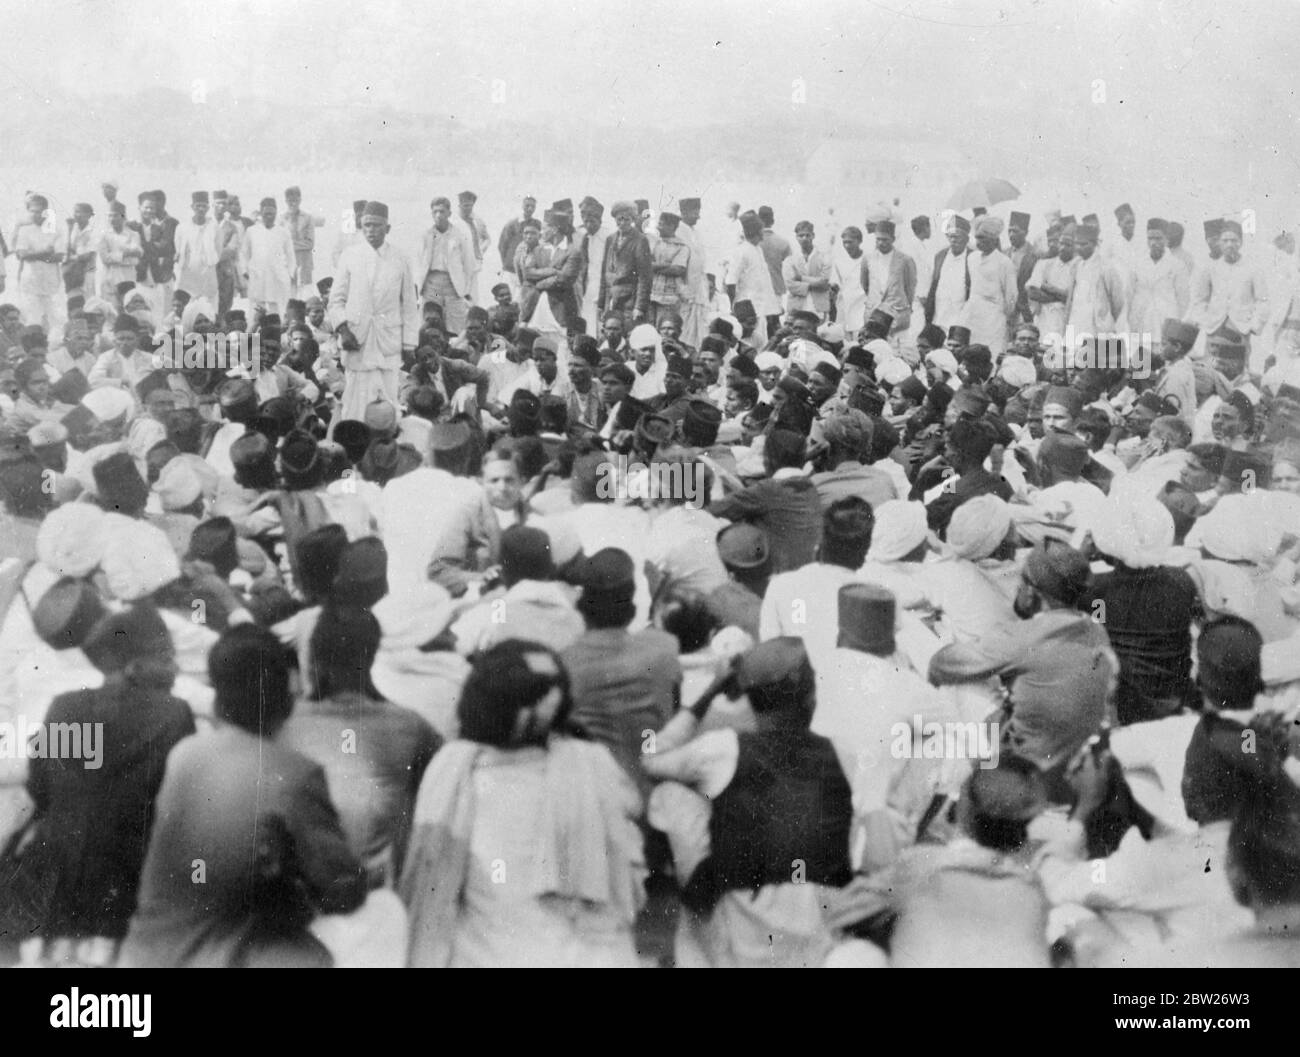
[674, 593]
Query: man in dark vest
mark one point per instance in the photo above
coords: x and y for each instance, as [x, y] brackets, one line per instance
[776, 808]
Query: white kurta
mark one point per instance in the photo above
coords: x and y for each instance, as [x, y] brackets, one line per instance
[1158, 290]
[993, 294]
[950, 296]
[269, 261]
[374, 293]
[1049, 316]
[851, 301]
[196, 259]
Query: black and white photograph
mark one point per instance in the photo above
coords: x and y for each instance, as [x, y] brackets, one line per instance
[617, 485]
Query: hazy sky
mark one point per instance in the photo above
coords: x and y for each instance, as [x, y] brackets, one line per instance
[1201, 89]
[670, 61]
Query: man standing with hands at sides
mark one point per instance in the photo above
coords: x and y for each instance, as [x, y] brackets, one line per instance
[1023, 258]
[230, 241]
[196, 252]
[268, 261]
[1229, 295]
[591, 239]
[950, 280]
[626, 276]
[807, 274]
[375, 313]
[695, 294]
[446, 267]
[302, 230]
[888, 278]
[993, 292]
[479, 239]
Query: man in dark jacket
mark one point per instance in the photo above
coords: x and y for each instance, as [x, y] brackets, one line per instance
[626, 276]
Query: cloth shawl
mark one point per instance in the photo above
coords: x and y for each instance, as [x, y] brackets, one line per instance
[586, 847]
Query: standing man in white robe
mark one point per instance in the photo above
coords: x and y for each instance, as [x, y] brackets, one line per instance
[846, 282]
[950, 280]
[375, 312]
[993, 289]
[1158, 288]
[1097, 298]
[695, 292]
[268, 261]
[196, 252]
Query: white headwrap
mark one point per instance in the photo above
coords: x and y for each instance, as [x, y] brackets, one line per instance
[978, 527]
[70, 541]
[138, 559]
[108, 403]
[642, 336]
[1238, 529]
[943, 359]
[1018, 371]
[987, 225]
[1137, 531]
[766, 361]
[895, 371]
[900, 528]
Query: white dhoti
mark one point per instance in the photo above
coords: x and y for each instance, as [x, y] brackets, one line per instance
[363, 386]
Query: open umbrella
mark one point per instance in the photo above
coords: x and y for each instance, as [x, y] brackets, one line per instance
[982, 193]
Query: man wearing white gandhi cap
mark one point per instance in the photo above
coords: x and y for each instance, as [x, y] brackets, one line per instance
[374, 311]
[993, 289]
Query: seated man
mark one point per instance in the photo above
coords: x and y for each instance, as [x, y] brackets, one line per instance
[758, 822]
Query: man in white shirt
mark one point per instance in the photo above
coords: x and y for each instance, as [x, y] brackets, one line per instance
[1158, 287]
[993, 290]
[950, 281]
[196, 252]
[846, 282]
[1097, 297]
[1052, 282]
[374, 312]
[888, 277]
[595, 233]
[1229, 295]
[749, 278]
[268, 261]
[695, 293]
[447, 266]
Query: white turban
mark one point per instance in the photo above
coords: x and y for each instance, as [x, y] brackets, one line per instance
[1018, 371]
[880, 350]
[643, 335]
[108, 403]
[832, 332]
[895, 371]
[987, 225]
[900, 528]
[70, 541]
[766, 361]
[943, 359]
[1138, 531]
[177, 486]
[138, 559]
[978, 527]
[1238, 529]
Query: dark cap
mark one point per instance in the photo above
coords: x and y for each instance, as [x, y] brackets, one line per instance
[743, 546]
[866, 618]
[67, 612]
